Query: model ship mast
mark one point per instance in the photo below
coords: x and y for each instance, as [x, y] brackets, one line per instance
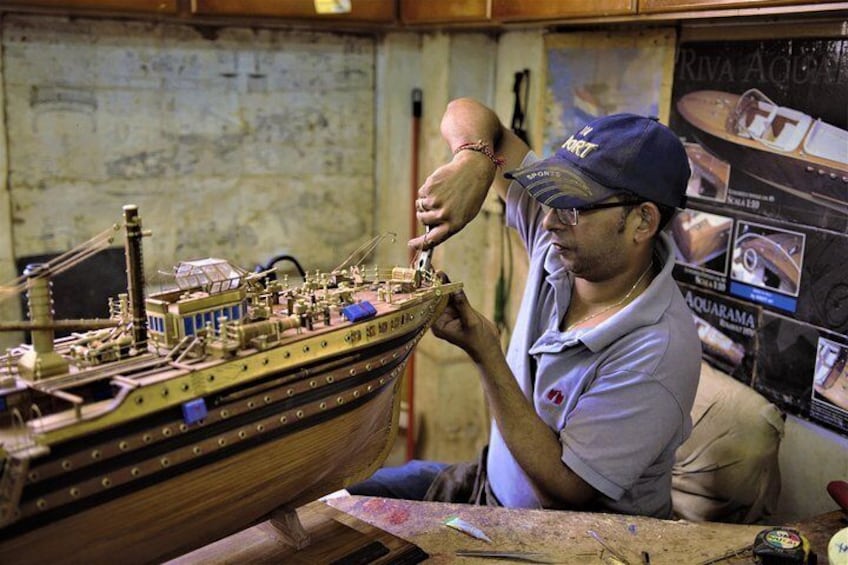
[135, 276]
[41, 360]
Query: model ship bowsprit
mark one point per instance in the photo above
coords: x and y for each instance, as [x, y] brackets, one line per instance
[198, 411]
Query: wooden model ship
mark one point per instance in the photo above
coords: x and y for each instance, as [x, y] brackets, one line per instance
[195, 412]
[781, 147]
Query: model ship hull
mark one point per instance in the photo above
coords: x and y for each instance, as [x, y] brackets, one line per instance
[172, 516]
[779, 147]
[247, 399]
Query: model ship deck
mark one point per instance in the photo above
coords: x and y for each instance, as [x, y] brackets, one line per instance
[207, 363]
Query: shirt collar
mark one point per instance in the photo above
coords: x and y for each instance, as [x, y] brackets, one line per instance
[646, 309]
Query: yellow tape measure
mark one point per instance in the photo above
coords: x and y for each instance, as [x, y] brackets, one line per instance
[781, 546]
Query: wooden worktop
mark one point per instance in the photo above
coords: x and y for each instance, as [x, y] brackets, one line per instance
[561, 537]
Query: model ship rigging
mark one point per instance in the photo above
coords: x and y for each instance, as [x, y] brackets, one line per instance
[196, 411]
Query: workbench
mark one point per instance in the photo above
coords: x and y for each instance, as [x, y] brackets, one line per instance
[348, 529]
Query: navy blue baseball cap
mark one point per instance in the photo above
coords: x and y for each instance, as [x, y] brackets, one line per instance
[611, 155]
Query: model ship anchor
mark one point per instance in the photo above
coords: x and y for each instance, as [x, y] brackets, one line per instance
[184, 405]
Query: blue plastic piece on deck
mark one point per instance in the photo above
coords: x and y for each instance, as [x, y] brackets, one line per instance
[194, 410]
[359, 311]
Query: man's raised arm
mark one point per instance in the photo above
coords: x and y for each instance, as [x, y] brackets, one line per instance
[482, 149]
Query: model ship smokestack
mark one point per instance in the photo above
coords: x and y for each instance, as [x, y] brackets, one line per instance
[40, 361]
[135, 276]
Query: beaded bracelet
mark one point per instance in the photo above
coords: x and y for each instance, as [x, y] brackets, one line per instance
[481, 146]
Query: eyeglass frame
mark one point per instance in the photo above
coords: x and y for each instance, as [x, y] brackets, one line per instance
[560, 212]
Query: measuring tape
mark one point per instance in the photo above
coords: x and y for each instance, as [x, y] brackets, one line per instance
[781, 546]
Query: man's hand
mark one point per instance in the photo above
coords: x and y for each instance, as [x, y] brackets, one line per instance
[452, 196]
[468, 329]
[454, 193]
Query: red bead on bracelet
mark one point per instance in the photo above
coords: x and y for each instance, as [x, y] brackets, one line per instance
[481, 146]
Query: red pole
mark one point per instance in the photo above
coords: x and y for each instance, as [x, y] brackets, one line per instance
[413, 231]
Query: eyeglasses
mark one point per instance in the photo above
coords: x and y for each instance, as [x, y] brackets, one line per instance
[569, 216]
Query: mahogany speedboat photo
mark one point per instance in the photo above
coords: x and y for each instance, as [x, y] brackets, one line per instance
[781, 147]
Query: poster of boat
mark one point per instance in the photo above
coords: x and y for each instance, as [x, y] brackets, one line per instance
[766, 126]
[785, 267]
[594, 74]
[728, 330]
[703, 241]
[766, 265]
[710, 174]
[830, 383]
[802, 369]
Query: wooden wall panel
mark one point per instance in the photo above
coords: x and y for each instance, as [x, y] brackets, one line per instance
[444, 11]
[448, 395]
[509, 10]
[153, 6]
[653, 6]
[382, 11]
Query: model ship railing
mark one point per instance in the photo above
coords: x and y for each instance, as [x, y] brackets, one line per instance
[117, 353]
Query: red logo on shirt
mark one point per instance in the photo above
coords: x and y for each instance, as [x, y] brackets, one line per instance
[555, 396]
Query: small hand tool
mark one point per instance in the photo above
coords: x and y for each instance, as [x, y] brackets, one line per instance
[615, 554]
[528, 556]
[461, 525]
[425, 256]
[781, 546]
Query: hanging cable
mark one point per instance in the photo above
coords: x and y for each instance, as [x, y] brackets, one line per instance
[520, 90]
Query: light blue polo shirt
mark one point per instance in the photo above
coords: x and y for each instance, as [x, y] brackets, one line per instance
[619, 395]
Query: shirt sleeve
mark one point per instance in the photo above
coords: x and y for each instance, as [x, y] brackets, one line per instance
[620, 428]
[523, 212]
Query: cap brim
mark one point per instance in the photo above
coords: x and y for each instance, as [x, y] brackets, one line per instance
[559, 185]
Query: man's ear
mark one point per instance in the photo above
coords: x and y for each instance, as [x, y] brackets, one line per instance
[649, 221]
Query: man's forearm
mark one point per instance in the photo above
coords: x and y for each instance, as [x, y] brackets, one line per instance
[533, 444]
[468, 121]
[465, 120]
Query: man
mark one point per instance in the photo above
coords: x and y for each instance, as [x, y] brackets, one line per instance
[593, 397]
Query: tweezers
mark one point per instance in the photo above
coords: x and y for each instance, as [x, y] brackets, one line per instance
[528, 556]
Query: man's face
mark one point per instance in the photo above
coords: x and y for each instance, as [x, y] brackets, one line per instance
[595, 249]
